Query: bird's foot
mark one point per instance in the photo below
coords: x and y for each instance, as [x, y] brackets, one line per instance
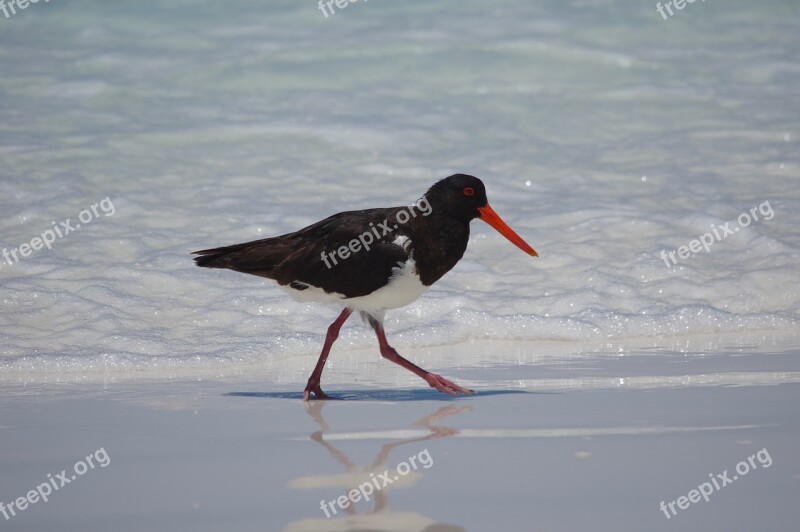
[314, 387]
[445, 386]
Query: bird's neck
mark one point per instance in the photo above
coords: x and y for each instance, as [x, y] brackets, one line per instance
[439, 243]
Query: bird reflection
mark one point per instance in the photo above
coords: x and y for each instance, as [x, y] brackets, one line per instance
[378, 517]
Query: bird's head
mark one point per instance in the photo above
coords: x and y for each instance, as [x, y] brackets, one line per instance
[463, 197]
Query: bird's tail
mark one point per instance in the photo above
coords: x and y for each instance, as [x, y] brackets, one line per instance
[258, 258]
[212, 258]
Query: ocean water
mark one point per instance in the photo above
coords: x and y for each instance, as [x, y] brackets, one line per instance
[605, 135]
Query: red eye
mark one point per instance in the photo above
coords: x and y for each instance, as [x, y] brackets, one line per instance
[469, 191]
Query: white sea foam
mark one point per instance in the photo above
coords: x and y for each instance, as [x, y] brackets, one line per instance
[244, 126]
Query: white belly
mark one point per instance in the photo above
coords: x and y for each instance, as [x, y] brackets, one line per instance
[403, 288]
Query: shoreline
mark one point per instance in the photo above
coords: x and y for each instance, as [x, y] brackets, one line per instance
[592, 442]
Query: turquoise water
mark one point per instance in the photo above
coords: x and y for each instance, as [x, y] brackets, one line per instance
[604, 133]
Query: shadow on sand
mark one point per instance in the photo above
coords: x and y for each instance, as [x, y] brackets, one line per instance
[381, 395]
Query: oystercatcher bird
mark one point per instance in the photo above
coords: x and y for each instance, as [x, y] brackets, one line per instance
[371, 261]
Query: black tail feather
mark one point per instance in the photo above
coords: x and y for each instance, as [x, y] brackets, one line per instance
[259, 257]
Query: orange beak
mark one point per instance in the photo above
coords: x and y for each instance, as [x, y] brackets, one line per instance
[490, 217]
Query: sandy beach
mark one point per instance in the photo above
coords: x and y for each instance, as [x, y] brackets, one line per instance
[592, 443]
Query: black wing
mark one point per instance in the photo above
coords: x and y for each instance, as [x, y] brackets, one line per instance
[298, 257]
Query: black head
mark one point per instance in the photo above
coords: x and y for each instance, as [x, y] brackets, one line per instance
[459, 195]
[463, 197]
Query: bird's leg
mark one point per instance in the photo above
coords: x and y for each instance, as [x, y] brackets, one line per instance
[435, 381]
[313, 381]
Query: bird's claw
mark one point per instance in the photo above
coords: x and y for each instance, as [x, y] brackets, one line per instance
[314, 387]
[446, 386]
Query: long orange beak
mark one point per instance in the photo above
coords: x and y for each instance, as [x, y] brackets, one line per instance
[492, 218]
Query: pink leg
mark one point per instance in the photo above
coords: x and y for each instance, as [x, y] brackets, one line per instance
[435, 381]
[313, 381]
